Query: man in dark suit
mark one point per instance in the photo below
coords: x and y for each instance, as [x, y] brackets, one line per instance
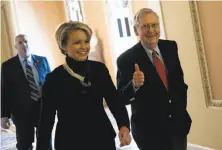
[151, 79]
[22, 78]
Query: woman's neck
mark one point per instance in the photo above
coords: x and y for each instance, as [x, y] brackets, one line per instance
[79, 67]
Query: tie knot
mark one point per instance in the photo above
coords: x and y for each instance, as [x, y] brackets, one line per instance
[155, 53]
[26, 62]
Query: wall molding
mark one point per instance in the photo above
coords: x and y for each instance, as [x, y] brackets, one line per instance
[210, 102]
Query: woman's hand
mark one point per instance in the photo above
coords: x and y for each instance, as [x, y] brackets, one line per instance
[124, 136]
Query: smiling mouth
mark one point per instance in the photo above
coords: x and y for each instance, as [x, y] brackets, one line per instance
[83, 53]
[151, 36]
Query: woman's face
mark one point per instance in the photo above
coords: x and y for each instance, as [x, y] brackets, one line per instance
[78, 45]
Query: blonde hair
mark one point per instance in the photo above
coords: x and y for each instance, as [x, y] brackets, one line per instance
[140, 14]
[63, 31]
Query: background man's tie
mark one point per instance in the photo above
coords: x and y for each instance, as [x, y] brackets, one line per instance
[34, 90]
[160, 68]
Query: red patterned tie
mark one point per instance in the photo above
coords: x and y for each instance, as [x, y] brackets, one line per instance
[160, 68]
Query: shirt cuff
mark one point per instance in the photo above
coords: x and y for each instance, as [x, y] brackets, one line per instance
[134, 87]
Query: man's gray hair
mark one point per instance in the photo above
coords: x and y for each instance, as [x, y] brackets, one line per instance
[140, 14]
[20, 35]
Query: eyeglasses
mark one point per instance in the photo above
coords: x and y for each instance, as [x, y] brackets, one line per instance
[148, 26]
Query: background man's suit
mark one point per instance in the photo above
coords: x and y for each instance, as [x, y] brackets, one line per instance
[157, 114]
[16, 98]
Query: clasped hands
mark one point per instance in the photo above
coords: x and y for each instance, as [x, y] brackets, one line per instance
[124, 136]
[5, 123]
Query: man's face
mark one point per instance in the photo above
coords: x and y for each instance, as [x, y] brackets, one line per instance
[149, 30]
[21, 44]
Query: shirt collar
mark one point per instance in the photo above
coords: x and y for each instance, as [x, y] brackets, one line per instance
[150, 50]
[22, 59]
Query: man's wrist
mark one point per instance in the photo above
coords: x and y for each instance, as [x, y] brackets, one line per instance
[134, 86]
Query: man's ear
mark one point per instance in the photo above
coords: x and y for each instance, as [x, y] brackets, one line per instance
[135, 31]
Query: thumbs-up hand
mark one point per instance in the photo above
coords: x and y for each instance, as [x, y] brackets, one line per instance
[138, 76]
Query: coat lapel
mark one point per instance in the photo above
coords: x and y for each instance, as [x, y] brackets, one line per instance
[166, 56]
[19, 70]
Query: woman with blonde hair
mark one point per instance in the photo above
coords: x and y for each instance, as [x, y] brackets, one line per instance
[76, 90]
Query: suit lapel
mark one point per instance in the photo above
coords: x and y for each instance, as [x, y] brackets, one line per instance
[166, 56]
[19, 70]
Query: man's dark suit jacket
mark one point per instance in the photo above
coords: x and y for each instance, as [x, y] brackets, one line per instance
[156, 112]
[82, 120]
[16, 98]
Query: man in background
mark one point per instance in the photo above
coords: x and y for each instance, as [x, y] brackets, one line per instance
[21, 81]
[151, 79]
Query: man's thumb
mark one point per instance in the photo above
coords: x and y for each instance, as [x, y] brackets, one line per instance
[137, 68]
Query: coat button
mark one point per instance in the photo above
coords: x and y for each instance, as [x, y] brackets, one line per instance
[170, 101]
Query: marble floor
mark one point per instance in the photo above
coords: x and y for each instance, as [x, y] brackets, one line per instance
[8, 140]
